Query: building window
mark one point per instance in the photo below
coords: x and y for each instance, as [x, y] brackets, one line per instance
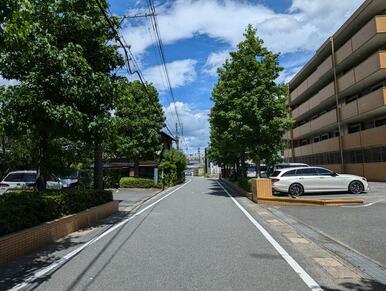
[368, 125]
[354, 128]
[304, 142]
[380, 122]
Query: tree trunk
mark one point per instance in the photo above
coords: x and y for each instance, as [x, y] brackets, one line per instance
[258, 171]
[243, 172]
[3, 144]
[136, 169]
[98, 166]
[42, 171]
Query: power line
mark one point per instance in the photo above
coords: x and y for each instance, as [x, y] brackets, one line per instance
[128, 55]
[153, 39]
[162, 55]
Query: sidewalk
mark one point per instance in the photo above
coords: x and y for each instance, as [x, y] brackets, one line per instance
[130, 198]
[23, 267]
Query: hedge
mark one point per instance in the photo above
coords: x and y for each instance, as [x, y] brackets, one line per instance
[132, 182]
[246, 184]
[23, 209]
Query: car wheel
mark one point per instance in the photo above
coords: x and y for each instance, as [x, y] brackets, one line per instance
[356, 187]
[296, 190]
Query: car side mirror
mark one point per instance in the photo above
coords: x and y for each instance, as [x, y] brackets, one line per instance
[333, 174]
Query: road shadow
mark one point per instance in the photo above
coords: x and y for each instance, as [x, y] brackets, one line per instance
[363, 285]
[324, 194]
[21, 268]
[98, 256]
[216, 190]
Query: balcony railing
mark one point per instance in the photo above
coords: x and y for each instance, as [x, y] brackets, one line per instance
[367, 138]
[374, 101]
[373, 34]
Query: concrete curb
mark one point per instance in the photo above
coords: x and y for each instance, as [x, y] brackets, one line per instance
[285, 201]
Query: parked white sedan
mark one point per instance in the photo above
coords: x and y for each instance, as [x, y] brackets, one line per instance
[298, 181]
[25, 179]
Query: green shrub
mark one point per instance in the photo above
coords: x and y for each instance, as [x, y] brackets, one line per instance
[246, 184]
[23, 209]
[132, 182]
[173, 164]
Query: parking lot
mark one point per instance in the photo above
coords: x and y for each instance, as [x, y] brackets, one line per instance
[377, 194]
[361, 227]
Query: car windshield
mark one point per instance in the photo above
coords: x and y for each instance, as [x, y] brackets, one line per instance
[14, 177]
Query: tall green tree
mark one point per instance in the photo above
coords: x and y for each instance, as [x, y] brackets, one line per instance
[138, 120]
[249, 116]
[61, 53]
[173, 165]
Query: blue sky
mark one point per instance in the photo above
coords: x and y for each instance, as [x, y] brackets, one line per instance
[198, 35]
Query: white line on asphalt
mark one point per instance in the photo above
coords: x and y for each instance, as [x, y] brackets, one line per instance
[311, 283]
[363, 206]
[44, 271]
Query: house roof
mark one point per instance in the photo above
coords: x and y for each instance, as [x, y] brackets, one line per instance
[167, 135]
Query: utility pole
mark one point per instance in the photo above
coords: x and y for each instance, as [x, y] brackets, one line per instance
[206, 161]
[199, 155]
[177, 138]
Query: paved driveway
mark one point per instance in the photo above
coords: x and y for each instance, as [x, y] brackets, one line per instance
[361, 227]
[376, 194]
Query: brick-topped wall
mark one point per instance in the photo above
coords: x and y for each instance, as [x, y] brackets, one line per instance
[31, 239]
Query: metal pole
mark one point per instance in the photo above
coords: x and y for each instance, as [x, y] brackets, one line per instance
[337, 104]
[177, 138]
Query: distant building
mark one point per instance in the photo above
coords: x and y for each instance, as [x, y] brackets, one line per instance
[338, 99]
[122, 167]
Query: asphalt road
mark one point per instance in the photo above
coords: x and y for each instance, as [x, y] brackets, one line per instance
[194, 239]
[361, 227]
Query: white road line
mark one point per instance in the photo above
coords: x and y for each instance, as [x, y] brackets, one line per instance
[311, 283]
[363, 206]
[44, 271]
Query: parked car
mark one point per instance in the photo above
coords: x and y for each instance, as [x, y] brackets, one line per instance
[26, 179]
[280, 166]
[251, 171]
[297, 181]
[70, 181]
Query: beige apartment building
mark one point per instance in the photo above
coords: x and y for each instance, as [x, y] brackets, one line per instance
[338, 99]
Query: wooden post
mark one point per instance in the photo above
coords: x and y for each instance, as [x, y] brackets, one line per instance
[261, 188]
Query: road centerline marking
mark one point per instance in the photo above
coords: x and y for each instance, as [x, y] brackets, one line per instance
[44, 271]
[307, 279]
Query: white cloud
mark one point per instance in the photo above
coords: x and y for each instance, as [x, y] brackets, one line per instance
[215, 60]
[303, 27]
[195, 124]
[181, 72]
[287, 75]
[6, 82]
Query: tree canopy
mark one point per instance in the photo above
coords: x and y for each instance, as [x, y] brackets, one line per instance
[249, 117]
[62, 55]
[138, 120]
